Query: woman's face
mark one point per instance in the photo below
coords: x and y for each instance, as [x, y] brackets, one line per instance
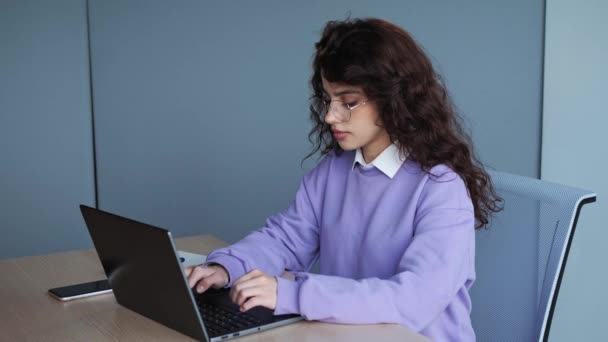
[362, 130]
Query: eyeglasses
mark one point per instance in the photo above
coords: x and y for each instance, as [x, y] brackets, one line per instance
[340, 109]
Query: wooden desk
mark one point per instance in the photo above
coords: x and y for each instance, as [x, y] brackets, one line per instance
[28, 313]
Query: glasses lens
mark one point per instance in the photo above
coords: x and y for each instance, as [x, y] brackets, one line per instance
[339, 110]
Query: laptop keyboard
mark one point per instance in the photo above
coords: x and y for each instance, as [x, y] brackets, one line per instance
[221, 320]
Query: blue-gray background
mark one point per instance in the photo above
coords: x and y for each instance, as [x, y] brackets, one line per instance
[200, 107]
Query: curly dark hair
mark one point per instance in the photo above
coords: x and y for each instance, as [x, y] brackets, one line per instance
[413, 103]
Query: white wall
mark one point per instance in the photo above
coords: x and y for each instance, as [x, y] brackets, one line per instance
[574, 153]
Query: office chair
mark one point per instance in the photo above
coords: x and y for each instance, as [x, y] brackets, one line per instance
[520, 258]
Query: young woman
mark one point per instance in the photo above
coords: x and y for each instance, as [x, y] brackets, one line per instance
[391, 209]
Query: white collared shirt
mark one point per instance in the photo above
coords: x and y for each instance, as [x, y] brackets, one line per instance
[389, 161]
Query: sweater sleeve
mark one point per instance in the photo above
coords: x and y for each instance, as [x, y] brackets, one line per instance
[434, 267]
[289, 240]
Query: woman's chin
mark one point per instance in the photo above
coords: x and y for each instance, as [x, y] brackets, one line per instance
[346, 146]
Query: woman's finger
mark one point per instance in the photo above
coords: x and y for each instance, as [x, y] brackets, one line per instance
[214, 280]
[247, 293]
[198, 273]
[234, 291]
[253, 302]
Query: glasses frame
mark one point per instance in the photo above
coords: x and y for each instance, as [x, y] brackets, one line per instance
[327, 108]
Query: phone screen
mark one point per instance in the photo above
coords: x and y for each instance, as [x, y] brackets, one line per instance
[81, 290]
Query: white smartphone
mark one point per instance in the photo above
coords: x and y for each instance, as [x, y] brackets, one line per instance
[76, 291]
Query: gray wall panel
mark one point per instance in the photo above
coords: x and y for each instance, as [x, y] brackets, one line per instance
[574, 153]
[46, 153]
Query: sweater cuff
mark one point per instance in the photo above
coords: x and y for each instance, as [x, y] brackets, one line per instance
[233, 265]
[288, 293]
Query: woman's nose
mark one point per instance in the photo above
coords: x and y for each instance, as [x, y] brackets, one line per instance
[331, 117]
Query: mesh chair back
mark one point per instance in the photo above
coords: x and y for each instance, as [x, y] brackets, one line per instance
[521, 257]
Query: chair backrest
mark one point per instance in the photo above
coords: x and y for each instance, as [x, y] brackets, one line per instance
[520, 258]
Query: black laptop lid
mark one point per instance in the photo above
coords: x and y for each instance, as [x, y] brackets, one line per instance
[140, 263]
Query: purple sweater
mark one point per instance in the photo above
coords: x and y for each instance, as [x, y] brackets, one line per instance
[397, 250]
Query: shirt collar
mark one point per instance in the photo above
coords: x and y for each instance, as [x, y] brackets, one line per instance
[389, 161]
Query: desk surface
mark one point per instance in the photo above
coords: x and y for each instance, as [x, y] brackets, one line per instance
[28, 313]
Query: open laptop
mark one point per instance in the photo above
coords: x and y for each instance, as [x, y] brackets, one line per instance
[145, 274]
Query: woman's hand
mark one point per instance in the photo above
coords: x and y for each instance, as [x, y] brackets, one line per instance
[255, 288]
[204, 277]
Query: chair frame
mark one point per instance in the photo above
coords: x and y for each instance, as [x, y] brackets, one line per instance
[546, 327]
